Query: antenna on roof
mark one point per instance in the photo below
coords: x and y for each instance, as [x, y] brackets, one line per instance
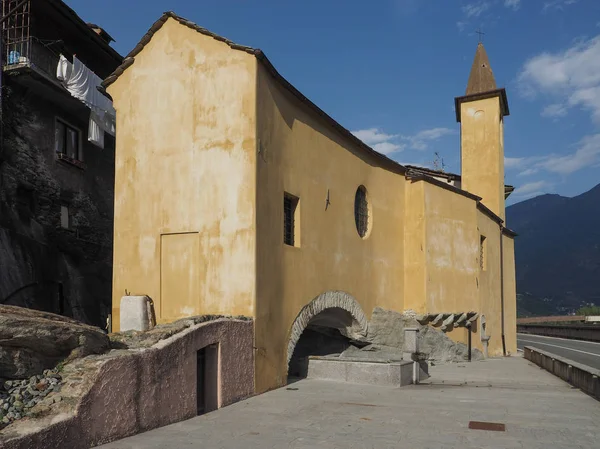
[438, 162]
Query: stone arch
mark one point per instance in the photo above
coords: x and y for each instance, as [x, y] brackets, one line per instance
[328, 300]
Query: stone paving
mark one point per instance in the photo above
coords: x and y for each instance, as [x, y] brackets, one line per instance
[538, 409]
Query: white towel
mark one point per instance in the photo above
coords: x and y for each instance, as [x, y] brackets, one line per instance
[95, 131]
[64, 69]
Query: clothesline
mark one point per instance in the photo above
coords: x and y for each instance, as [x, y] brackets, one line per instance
[83, 84]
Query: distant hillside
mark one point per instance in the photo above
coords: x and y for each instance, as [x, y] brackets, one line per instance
[557, 252]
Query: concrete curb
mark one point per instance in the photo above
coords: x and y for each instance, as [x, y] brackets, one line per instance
[584, 377]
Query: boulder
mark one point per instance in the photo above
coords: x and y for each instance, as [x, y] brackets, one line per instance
[32, 341]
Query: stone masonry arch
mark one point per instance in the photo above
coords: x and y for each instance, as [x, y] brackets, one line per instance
[328, 300]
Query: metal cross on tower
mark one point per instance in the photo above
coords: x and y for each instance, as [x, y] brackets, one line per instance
[481, 34]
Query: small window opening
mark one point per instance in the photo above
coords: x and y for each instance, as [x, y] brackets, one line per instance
[482, 253]
[67, 140]
[290, 210]
[361, 211]
[65, 217]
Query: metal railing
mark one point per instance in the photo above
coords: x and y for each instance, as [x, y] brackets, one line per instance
[31, 52]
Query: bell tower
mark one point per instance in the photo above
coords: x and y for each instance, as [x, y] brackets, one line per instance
[481, 113]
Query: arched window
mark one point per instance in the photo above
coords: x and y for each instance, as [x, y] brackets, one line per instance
[361, 211]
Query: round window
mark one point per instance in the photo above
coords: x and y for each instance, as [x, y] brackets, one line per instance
[361, 211]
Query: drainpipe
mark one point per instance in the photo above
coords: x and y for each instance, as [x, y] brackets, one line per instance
[502, 286]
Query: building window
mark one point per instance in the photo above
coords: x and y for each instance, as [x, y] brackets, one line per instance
[482, 253]
[68, 140]
[65, 217]
[290, 211]
[361, 211]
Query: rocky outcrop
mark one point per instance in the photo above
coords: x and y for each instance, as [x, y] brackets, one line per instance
[386, 329]
[101, 398]
[32, 341]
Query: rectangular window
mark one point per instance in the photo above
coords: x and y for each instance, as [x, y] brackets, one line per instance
[67, 140]
[65, 219]
[482, 253]
[290, 206]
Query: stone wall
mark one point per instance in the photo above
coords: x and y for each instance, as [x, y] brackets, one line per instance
[43, 265]
[151, 384]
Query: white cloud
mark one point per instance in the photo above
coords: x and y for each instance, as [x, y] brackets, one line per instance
[461, 25]
[555, 110]
[420, 140]
[513, 162]
[557, 4]
[476, 9]
[514, 4]
[372, 136]
[393, 143]
[387, 147]
[529, 171]
[571, 76]
[531, 189]
[586, 154]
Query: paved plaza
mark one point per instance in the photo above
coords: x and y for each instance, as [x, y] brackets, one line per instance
[537, 409]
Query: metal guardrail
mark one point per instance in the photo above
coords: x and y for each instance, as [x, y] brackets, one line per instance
[587, 332]
[551, 319]
[584, 377]
[30, 52]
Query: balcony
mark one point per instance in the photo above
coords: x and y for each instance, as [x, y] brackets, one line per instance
[30, 54]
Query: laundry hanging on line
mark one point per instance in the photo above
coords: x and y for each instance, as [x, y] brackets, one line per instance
[83, 84]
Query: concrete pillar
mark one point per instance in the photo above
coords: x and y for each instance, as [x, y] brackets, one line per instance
[411, 348]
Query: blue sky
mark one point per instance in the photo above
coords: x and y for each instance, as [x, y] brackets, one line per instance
[389, 70]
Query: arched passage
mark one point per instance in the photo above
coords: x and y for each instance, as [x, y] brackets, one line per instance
[330, 315]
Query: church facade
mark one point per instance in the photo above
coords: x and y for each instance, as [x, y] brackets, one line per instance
[236, 195]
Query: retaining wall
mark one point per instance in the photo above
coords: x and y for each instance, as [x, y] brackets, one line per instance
[590, 332]
[138, 390]
[584, 377]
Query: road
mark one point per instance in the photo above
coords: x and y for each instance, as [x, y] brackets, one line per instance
[585, 352]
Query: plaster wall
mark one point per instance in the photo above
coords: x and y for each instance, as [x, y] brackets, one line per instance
[510, 295]
[415, 248]
[185, 176]
[482, 152]
[444, 272]
[489, 278]
[299, 153]
[451, 251]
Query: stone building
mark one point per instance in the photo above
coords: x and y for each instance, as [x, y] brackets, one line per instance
[56, 187]
[235, 194]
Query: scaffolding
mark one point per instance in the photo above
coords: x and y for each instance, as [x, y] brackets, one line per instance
[15, 31]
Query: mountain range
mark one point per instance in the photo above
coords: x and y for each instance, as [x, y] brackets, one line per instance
[557, 252]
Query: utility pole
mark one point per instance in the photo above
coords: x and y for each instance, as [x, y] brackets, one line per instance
[2, 20]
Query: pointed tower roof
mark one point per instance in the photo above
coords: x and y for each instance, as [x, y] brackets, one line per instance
[481, 78]
[481, 83]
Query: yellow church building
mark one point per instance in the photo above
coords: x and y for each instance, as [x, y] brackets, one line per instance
[236, 195]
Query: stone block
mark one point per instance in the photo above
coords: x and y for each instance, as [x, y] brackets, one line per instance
[411, 342]
[395, 374]
[135, 313]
